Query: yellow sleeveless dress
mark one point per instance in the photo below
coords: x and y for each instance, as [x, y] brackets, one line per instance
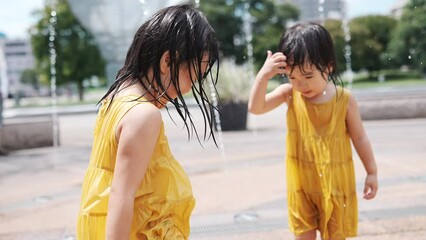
[164, 201]
[320, 172]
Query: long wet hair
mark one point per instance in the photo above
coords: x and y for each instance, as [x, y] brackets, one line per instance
[310, 43]
[186, 34]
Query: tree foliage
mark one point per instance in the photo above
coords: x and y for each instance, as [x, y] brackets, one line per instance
[408, 45]
[78, 57]
[370, 36]
[268, 20]
[334, 27]
[30, 76]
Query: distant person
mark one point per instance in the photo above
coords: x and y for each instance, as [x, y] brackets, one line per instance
[133, 187]
[322, 119]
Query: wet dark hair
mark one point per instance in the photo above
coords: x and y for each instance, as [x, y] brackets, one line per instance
[186, 34]
[310, 43]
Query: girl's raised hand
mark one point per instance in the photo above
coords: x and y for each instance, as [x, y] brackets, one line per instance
[274, 64]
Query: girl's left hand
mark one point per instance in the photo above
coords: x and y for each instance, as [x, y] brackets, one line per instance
[371, 186]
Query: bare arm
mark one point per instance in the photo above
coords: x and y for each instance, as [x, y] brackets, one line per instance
[259, 101]
[363, 147]
[137, 135]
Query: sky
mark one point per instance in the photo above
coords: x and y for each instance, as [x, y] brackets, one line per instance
[15, 16]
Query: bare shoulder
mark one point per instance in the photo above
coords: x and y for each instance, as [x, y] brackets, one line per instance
[285, 90]
[140, 120]
[352, 113]
[352, 102]
[144, 113]
[286, 87]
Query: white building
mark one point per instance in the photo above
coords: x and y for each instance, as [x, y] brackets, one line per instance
[4, 80]
[19, 57]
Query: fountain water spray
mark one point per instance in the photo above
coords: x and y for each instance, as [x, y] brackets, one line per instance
[216, 114]
[248, 32]
[3, 82]
[52, 52]
[321, 11]
[347, 49]
[217, 122]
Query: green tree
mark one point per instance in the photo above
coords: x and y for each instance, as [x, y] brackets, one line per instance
[229, 27]
[408, 44]
[334, 27]
[268, 23]
[30, 76]
[370, 36]
[78, 57]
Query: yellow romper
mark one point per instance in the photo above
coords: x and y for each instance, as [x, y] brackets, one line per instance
[320, 173]
[164, 201]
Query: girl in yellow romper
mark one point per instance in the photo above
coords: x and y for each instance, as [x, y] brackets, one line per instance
[322, 119]
[133, 187]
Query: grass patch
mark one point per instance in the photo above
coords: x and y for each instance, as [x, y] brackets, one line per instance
[366, 83]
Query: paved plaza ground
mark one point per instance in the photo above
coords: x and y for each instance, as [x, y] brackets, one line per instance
[240, 189]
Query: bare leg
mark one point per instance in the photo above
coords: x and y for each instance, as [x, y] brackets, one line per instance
[311, 235]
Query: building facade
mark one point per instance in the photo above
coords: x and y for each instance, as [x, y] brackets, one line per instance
[19, 57]
[4, 80]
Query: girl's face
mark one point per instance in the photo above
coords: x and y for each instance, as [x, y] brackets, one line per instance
[185, 82]
[309, 81]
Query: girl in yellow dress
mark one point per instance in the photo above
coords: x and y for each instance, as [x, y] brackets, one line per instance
[322, 120]
[133, 187]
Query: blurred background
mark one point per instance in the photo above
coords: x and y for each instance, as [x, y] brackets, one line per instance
[58, 57]
[382, 41]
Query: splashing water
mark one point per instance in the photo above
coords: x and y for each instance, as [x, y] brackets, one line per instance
[52, 52]
[321, 11]
[144, 12]
[216, 115]
[347, 50]
[248, 32]
[217, 122]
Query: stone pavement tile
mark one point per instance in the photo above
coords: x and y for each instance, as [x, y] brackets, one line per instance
[251, 180]
[405, 228]
[385, 229]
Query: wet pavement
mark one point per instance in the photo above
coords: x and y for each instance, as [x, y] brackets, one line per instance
[240, 190]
